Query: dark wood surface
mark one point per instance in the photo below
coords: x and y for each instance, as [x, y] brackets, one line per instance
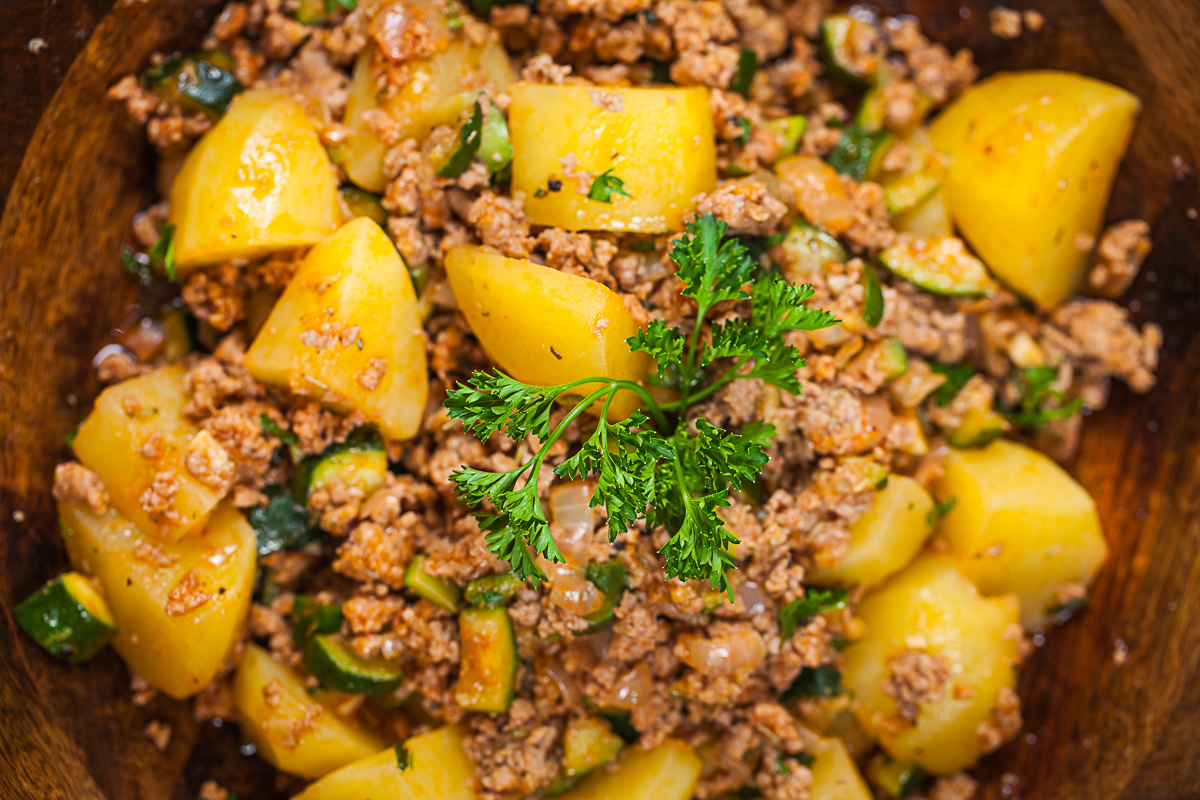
[73, 170]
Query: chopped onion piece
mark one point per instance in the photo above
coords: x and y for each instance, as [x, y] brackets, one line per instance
[723, 655]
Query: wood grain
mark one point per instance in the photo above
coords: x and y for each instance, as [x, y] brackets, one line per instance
[1095, 729]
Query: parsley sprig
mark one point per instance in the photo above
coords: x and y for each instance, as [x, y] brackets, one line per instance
[664, 466]
[1040, 402]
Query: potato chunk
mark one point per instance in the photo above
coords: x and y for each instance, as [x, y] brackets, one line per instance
[931, 613]
[835, 777]
[885, 539]
[1034, 158]
[668, 772]
[136, 440]
[179, 607]
[293, 731]
[348, 333]
[439, 88]
[545, 327]
[1020, 524]
[258, 182]
[658, 141]
[438, 769]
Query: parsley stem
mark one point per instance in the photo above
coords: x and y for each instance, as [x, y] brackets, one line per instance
[729, 376]
[554, 436]
[656, 410]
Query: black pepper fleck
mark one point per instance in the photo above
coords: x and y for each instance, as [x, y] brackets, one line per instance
[554, 186]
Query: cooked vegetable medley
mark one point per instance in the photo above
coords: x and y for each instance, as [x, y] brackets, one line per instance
[645, 400]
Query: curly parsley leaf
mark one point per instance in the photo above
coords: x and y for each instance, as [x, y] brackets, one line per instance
[957, 376]
[491, 402]
[1040, 402]
[665, 346]
[605, 186]
[271, 429]
[801, 610]
[712, 270]
[163, 251]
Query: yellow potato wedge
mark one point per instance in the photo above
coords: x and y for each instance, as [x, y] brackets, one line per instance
[835, 777]
[130, 421]
[437, 769]
[545, 327]
[258, 182]
[668, 772]
[1020, 524]
[295, 732]
[1034, 158]
[177, 653]
[347, 332]
[885, 539]
[933, 608]
[658, 141]
[439, 88]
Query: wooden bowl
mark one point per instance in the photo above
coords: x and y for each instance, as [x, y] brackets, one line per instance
[1094, 728]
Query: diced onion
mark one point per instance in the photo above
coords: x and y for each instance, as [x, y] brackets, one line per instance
[752, 597]
[564, 681]
[570, 589]
[633, 688]
[723, 655]
[569, 506]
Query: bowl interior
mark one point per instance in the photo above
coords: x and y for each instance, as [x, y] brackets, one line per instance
[1090, 725]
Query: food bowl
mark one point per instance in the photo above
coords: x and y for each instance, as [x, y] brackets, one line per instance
[1108, 698]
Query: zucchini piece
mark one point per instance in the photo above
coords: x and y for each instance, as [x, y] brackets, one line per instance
[838, 33]
[491, 591]
[940, 264]
[495, 145]
[887, 356]
[312, 12]
[894, 778]
[310, 618]
[487, 670]
[360, 463]
[338, 667]
[873, 304]
[470, 137]
[979, 426]
[860, 154]
[281, 523]
[202, 82]
[905, 194]
[361, 203]
[433, 588]
[872, 111]
[588, 743]
[609, 578]
[67, 618]
[928, 219]
[788, 131]
[807, 251]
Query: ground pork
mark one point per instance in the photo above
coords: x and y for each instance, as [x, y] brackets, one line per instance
[1004, 22]
[916, 677]
[746, 206]
[1123, 248]
[74, 482]
[1099, 333]
[373, 553]
[1005, 722]
[515, 754]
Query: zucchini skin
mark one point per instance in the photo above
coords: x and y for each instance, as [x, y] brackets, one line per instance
[488, 667]
[353, 456]
[336, 666]
[61, 624]
[437, 590]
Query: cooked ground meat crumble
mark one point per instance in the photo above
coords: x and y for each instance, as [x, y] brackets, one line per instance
[814, 488]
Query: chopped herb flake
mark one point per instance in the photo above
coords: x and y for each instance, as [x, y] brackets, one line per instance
[605, 186]
[271, 429]
[801, 610]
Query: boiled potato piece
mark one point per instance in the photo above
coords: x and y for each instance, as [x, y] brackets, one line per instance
[668, 772]
[438, 769]
[658, 141]
[932, 607]
[347, 332]
[142, 417]
[885, 539]
[258, 182]
[1034, 158]
[295, 732]
[545, 327]
[835, 777]
[177, 649]
[1020, 524]
[439, 88]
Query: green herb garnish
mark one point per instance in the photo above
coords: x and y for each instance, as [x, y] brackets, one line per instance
[469, 137]
[163, 251]
[269, 427]
[605, 186]
[1035, 385]
[403, 757]
[661, 467]
[801, 610]
[940, 509]
[281, 523]
[873, 304]
[347, 5]
[822, 681]
[747, 66]
[744, 137]
[957, 376]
